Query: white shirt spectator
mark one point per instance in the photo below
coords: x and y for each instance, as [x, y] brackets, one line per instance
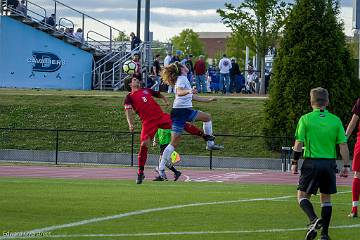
[167, 60]
[225, 65]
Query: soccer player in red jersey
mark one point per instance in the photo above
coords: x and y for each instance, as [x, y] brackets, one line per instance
[152, 118]
[356, 159]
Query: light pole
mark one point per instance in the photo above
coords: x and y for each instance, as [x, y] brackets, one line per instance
[138, 18]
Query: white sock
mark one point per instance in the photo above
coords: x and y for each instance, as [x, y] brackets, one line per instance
[355, 203]
[207, 126]
[166, 156]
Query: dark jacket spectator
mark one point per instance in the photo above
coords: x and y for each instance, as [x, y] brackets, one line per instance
[13, 4]
[51, 20]
[135, 41]
[21, 8]
[235, 69]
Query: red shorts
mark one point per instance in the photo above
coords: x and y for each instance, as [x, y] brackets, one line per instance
[149, 128]
[356, 158]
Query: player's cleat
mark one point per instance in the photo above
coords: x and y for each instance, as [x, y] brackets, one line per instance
[214, 147]
[140, 178]
[324, 237]
[353, 215]
[313, 227]
[177, 175]
[159, 179]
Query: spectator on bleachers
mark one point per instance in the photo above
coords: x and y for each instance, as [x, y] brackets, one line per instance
[12, 4]
[135, 41]
[21, 8]
[177, 57]
[79, 35]
[51, 20]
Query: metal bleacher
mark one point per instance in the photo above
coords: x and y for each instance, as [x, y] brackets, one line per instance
[97, 37]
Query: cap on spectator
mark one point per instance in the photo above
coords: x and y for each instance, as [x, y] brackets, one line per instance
[178, 52]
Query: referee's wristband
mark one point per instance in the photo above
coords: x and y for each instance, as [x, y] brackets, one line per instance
[296, 155]
[294, 162]
[347, 166]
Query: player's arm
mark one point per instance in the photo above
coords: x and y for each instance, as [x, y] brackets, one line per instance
[180, 91]
[165, 99]
[202, 99]
[351, 125]
[129, 112]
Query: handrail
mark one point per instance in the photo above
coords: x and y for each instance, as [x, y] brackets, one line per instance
[68, 20]
[91, 31]
[87, 15]
[111, 58]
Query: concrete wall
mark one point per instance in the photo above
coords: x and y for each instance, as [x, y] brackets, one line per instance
[30, 58]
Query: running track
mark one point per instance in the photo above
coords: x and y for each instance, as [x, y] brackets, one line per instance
[240, 176]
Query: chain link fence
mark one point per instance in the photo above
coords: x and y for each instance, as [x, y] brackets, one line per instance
[59, 146]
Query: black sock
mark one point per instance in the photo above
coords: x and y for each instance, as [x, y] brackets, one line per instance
[173, 169]
[326, 211]
[308, 208]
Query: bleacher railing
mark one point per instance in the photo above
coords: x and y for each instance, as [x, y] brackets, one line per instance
[93, 30]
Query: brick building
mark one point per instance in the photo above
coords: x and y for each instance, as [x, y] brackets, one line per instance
[214, 42]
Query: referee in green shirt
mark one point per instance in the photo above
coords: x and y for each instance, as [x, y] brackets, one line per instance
[318, 132]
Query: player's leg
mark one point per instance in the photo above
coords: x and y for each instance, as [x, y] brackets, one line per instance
[207, 126]
[356, 181]
[355, 194]
[148, 131]
[326, 212]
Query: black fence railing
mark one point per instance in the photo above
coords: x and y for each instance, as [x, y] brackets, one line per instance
[64, 146]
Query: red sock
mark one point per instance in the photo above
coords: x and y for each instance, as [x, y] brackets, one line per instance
[142, 157]
[193, 130]
[355, 193]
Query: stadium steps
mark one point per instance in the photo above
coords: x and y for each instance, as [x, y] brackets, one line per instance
[106, 53]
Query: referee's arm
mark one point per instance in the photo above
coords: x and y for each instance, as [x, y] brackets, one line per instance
[297, 152]
[344, 152]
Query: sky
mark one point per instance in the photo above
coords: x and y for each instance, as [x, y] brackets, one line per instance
[170, 17]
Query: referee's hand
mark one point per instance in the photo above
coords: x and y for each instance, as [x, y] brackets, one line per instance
[294, 169]
[345, 172]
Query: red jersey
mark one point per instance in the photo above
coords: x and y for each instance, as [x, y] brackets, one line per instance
[143, 103]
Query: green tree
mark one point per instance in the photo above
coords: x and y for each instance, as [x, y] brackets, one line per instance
[258, 22]
[188, 41]
[122, 37]
[312, 53]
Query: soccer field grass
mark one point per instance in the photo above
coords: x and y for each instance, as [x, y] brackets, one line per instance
[114, 209]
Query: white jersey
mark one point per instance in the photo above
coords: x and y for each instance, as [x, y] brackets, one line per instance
[167, 60]
[225, 65]
[183, 101]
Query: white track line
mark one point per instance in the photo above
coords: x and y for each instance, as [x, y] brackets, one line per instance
[122, 215]
[181, 233]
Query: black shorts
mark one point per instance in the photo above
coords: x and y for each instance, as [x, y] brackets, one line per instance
[318, 174]
[162, 148]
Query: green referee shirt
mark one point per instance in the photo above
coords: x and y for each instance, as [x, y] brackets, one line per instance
[320, 131]
[164, 136]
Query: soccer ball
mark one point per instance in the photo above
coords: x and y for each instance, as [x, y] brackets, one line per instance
[129, 67]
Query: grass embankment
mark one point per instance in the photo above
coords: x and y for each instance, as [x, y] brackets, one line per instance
[94, 110]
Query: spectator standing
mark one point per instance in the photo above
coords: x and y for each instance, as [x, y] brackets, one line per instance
[21, 8]
[319, 132]
[167, 59]
[251, 80]
[356, 159]
[225, 66]
[177, 57]
[135, 41]
[156, 73]
[200, 74]
[234, 73]
[189, 64]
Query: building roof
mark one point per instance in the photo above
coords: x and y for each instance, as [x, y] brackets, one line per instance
[214, 34]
